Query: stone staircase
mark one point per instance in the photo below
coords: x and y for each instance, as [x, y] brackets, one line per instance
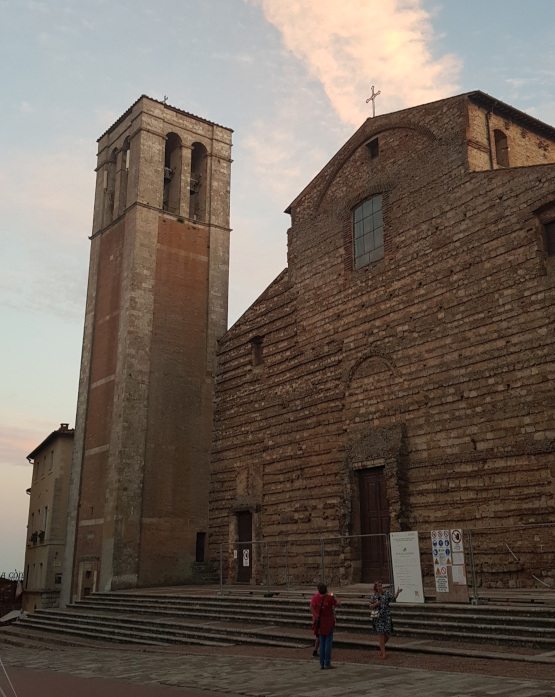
[208, 619]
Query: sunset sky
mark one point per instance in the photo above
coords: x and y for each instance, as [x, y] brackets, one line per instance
[290, 77]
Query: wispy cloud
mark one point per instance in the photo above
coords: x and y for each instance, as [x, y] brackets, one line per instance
[53, 186]
[349, 46]
[17, 442]
[45, 203]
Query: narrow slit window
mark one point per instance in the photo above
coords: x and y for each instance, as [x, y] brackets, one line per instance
[257, 350]
[550, 238]
[501, 148]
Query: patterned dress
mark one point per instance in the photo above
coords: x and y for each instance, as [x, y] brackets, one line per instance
[382, 624]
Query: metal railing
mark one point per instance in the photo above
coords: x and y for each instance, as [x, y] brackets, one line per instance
[501, 557]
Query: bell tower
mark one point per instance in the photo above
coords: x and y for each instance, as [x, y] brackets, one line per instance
[156, 306]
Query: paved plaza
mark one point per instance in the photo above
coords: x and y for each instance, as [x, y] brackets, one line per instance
[186, 673]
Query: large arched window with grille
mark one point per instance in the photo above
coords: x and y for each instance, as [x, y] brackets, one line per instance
[368, 232]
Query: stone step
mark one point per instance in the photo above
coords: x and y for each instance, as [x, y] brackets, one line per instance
[157, 618]
[283, 600]
[513, 636]
[163, 632]
[401, 614]
[104, 629]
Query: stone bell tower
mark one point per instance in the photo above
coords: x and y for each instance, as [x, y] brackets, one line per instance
[156, 306]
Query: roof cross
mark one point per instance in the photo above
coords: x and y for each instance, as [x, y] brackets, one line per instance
[372, 98]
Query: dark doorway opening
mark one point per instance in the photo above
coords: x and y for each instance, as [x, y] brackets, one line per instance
[201, 536]
[374, 521]
[244, 547]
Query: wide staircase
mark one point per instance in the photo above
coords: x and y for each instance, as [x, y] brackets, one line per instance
[210, 619]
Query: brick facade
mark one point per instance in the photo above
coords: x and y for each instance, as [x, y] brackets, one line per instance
[435, 363]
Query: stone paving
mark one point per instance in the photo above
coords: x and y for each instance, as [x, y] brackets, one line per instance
[268, 677]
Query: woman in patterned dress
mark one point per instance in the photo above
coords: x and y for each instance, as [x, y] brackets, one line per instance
[382, 624]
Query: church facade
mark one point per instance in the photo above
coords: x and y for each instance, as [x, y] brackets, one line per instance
[398, 374]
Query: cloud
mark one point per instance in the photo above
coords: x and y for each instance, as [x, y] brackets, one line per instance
[25, 107]
[351, 45]
[53, 187]
[17, 442]
[46, 208]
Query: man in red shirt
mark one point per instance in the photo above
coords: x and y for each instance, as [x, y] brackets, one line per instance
[321, 606]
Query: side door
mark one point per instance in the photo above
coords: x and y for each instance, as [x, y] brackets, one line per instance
[244, 547]
[374, 521]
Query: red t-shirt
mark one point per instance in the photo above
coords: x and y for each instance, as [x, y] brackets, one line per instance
[327, 618]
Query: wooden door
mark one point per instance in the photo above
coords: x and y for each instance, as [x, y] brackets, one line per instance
[374, 520]
[244, 547]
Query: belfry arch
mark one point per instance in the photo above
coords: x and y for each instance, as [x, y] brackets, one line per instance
[172, 174]
[198, 179]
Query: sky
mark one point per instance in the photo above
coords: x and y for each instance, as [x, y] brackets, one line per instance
[290, 77]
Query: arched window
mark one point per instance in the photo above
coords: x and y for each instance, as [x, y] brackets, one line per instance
[123, 176]
[110, 187]
[501, 148]
[172, 174]
[368, 232]
[197, 186]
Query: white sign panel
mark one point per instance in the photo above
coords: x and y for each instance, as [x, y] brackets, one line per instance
[459, 575]
[405, 559]
[442, 584]
[457, 540]
[246, 560]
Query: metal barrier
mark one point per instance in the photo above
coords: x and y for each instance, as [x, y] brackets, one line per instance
[306, 561]
[521, 556]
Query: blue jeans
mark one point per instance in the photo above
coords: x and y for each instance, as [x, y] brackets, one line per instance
[325, 649]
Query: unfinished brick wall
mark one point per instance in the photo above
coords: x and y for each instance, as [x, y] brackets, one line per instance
[435, 363]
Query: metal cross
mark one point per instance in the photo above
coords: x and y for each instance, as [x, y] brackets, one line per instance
[166, 99]
[371, 98]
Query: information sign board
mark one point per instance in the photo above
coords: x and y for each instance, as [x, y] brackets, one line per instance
[407, 573]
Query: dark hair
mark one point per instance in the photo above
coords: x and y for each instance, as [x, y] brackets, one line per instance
[322, 588]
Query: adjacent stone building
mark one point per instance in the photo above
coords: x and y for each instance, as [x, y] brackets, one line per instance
[46, 527]
[398, 374]
[156, 306]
